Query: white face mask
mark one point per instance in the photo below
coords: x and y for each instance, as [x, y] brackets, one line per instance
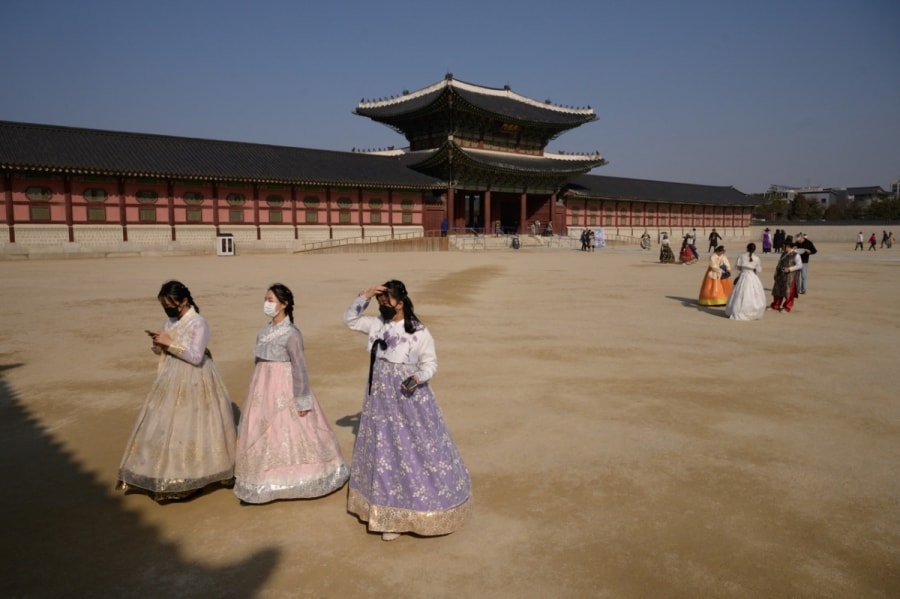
[270, 309]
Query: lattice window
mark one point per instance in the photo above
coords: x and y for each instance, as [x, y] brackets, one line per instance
[94, 195]
[192, 198]
[147, 196]
[38, 194]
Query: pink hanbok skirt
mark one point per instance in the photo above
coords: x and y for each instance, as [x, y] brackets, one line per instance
[281, 455]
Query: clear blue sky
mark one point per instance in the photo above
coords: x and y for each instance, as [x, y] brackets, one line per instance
[747, 94]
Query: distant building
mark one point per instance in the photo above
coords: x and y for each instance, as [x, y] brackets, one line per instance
[830, 196]
[476, 156]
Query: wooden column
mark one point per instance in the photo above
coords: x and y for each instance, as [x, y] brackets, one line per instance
[523, 204]
[488, 224]
[8, 203]
[123, 213]
[451, 207]
[215, 201]
[170, 208]
[67, 198]
[256, 211]
[294, 210]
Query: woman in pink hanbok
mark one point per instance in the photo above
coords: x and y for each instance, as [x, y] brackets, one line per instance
[286, 448]
[184, 436]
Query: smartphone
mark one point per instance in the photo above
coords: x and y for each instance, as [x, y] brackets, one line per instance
[409, 384]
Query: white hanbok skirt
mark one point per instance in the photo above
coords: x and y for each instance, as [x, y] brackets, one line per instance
[748, 300]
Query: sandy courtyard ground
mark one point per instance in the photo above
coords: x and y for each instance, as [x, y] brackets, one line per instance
[622, 440]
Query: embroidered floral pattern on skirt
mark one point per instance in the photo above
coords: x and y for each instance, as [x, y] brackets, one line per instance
[407, 474]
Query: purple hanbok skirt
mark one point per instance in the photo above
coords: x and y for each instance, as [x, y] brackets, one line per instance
[407, 474]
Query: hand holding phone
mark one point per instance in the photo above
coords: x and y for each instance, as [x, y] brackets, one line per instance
[409, 384]
[151, 333]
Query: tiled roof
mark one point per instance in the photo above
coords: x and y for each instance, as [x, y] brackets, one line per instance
[507, 161]
[534, 164]
[618, 188]
[91, 151]
[502, 102]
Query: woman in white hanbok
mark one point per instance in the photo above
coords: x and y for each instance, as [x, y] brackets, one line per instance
[748, 300]
[184, 436]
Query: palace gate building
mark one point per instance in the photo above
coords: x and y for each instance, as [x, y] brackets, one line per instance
[475, 156]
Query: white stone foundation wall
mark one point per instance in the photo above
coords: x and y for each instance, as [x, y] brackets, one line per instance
[100, 236]
[202, 237]
[28, 236]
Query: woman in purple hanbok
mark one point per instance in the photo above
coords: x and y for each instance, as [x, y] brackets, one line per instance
[407, 474]
[285, 448]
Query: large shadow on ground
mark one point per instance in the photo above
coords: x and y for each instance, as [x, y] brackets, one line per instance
[64, 535]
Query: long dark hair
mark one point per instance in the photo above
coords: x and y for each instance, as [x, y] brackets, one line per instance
[177, 291]
[751, 247]
[397, 290]
[285, 296]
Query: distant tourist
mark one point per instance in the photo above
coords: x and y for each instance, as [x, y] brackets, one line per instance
[805, 248]
[748, 299]
[666, 256]
[686, 255]
[714, 239]
[717, 285]
[784, 290]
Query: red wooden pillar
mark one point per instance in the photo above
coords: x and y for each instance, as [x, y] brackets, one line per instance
[215, 202]
[488, 225]
[523, 202]
[123, 214]
[294, 210]
[451, 206]
[67, 198]
[7, 201]
[328, 212]
[256, 211]
[170, 209]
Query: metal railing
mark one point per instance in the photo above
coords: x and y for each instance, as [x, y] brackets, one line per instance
[403, 241]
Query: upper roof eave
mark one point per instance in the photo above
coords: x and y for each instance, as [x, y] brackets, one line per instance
[502, 102]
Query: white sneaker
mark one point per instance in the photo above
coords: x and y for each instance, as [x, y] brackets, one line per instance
[389, 536]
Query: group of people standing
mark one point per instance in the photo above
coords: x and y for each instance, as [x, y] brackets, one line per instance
[743, 296]
[406, 474]
[687, 254]
[773, 242]
[593, 238]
